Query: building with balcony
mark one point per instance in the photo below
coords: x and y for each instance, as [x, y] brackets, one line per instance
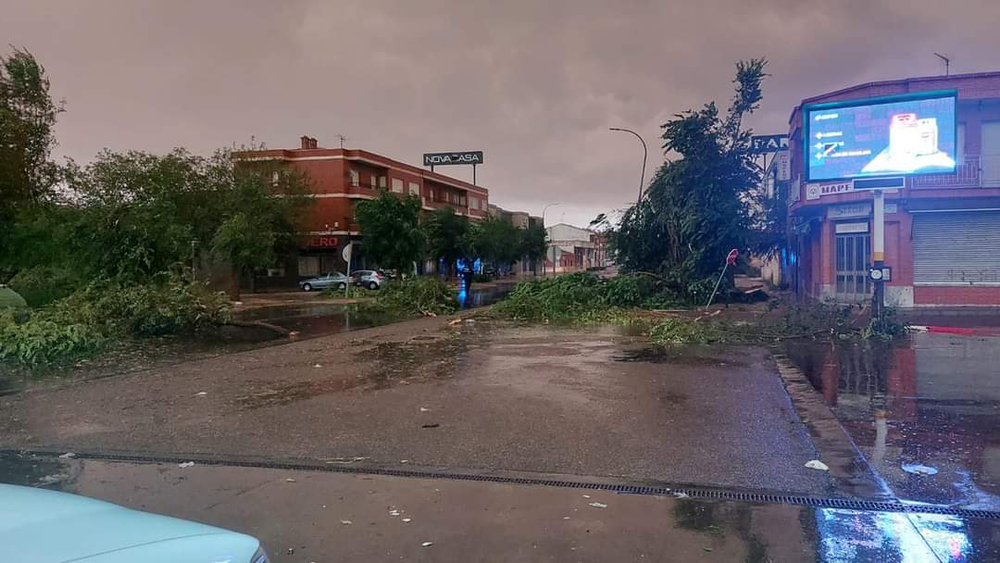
[339, 179]
[942, 231]
[570, 248]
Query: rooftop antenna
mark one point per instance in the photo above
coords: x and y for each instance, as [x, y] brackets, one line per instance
[343, 140]
[947, 62]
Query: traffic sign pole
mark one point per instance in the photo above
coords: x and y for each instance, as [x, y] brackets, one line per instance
[878, 255]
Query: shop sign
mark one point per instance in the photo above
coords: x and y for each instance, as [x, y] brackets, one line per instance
[322, 242]
[848, 228]
[818, 190]
[849, 211]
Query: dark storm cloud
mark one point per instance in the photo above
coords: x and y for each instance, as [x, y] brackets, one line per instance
[533, 84]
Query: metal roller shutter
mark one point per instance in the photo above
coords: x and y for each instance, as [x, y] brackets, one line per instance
[956, 248]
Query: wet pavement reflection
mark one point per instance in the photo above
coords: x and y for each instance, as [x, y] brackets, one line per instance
[307, 509]
[925, 412]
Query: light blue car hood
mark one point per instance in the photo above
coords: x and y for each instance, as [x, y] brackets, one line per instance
[42, 526]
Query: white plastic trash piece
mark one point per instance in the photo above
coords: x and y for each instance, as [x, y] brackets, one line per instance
[598, 505]
[186, 464]
[394, 512]
[918, 469]
[427, 544]
[586, 496]
[817, 464]
[67, 455]
[425, 409]
[404, 461]
[681, 495]
[202, 393]
[289, 480]
[346, 522]
[317, 366]
[407, 520]
[565, 517]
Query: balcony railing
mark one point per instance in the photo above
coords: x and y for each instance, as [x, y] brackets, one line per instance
[975, 172]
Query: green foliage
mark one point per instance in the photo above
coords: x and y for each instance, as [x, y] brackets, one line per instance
[495, 240]
[391, 226]
[27, 120]
[532, 242]
[416, 296]
[353, 292]
[44, 339]
[42, 285]
[447, 236]
[702, 204]
[10, 299]
[687, 331]
[581, 296]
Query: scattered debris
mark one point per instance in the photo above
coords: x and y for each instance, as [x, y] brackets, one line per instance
[427, 544]
[291, 551]
[394, 512]
[455, 322]
[681, 495]
[407, 520]
[707, 548]
[404, 461]
[201, 394]
[817, 464]
[346, 522]
[324, 507]
[346, 459]
[186, 464]
[435, 425]
[598, 505]
[470, 321]
[565, 517]
[289, 480]
[918, 469]
[425, 409]
[317, 366]
[67, 455]
[586, 496]
[49, 479]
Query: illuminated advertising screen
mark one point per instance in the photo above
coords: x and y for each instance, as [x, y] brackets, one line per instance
[891, 136]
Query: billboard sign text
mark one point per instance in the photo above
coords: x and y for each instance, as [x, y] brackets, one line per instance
[450, 158]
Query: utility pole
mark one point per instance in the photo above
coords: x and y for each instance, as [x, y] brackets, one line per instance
[343, 140]
[642, 175]
[878, 255]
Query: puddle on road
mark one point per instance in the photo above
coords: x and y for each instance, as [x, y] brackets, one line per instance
[34, 471]
[930, 400]
[422, 358]
[677, 355]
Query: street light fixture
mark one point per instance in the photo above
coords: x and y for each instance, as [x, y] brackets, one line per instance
[642, 176]
[544, 209]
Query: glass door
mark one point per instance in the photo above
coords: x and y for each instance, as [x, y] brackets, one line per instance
[853, 258]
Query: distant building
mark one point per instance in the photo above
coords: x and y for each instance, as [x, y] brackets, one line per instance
[339, 179]
[942, 231]
[570, 248]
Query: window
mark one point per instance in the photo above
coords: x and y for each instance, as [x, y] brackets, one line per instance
[374, 181]
[381, 182]
[397, 185]
[308, 265]
[275, 177]
[473, 203]
[430, 195]
[355, 178]
[461, 200]
[415, 189]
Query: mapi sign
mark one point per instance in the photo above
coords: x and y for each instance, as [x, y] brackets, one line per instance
[768, 143]
[447, 158]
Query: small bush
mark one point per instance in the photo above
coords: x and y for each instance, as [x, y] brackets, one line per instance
[415, 296]
[43, 285]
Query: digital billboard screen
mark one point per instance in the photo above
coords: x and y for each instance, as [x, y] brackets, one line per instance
[891, 136]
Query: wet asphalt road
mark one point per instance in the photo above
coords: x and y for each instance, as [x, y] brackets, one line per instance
[308, 516]
[475, 397]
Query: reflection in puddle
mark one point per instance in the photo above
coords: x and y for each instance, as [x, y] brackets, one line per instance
[928, 401]
[849, 535]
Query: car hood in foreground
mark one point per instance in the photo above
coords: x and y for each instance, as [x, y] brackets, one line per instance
[45, 526]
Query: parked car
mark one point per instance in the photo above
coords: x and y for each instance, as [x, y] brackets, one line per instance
[336, 280]
[367, 278]
[44, 526]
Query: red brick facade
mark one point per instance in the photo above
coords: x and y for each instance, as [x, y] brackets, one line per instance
[813, 218]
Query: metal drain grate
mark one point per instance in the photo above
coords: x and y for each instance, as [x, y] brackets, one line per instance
[665, 490]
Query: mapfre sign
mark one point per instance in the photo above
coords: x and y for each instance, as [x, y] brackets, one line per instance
[447, 158]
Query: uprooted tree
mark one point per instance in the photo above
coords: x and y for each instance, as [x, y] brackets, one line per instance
[705, 201]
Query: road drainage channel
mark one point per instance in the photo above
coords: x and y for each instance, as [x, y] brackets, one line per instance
[682, 491]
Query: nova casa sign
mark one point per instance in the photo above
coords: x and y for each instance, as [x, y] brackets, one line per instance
[446, 158]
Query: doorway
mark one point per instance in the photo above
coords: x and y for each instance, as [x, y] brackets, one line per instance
[853, 258]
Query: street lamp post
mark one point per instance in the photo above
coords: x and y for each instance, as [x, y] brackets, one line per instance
[642, 176]
[544, 209]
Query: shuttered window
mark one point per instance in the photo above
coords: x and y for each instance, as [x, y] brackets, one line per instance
[956, 248]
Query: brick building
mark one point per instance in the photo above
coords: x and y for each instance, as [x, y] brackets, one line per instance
[942, 232]
[339, 179]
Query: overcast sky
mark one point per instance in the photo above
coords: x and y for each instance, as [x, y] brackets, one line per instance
[534, 84]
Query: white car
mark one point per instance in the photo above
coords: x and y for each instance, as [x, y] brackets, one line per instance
[42, 526]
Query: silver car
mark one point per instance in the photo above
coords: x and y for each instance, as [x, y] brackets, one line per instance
[336, 280]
